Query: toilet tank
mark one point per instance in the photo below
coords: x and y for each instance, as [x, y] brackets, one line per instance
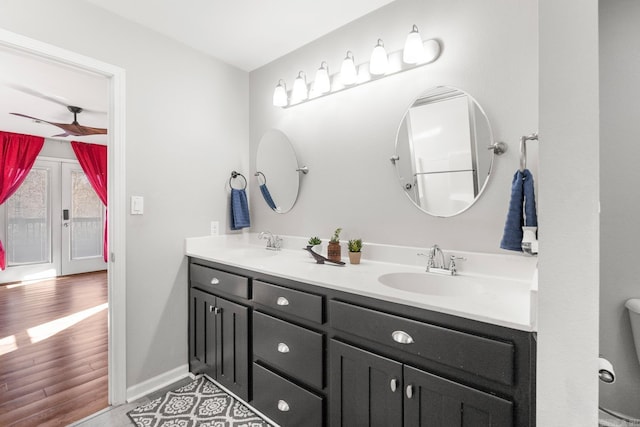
[633, 305]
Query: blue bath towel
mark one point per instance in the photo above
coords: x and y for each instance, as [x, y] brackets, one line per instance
[522, 211]
[239, 209]
[267, 196]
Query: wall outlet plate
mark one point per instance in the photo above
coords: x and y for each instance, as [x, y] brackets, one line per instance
[215, 228]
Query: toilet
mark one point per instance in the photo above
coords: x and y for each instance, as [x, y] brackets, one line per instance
[609, 418]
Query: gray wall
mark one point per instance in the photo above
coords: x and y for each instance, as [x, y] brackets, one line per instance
[346, 139]
[57, 148]
[187, 117]
[619, 174]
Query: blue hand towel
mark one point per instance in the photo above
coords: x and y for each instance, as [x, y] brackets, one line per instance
[239, 209]
[522, 211]
[267, 196]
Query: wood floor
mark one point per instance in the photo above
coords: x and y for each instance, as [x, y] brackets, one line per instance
[53, 350]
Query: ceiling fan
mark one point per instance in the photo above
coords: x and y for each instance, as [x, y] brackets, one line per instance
[70, 129]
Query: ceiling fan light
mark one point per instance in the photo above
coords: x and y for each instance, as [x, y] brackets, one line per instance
[348, 72]
[413, 49]
[379, 60]
[300, 91]
[280, 95]
[321, 84]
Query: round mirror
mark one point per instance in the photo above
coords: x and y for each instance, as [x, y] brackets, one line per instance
[441, 151]
[277, 171]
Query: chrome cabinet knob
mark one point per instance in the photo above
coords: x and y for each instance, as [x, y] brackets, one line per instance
[283, 348]
[215, 281]
[282, 301]
[393, 385]
[283, 406]
[409, 391]
[402, 337]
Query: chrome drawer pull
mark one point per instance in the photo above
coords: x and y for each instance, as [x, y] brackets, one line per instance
[394, 385]
[409, 391]
[215, 281]
[283, 406]
[402, 337]
[282, 301]
[283, 348]
[214, 310]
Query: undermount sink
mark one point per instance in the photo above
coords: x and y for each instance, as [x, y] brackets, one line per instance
[432, 284]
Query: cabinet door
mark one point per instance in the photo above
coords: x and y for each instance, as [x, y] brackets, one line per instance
[202, 333]
[436, 402]
[366, 389]
[232, 347]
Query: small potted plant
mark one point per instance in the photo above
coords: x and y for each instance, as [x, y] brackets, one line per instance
[333, 251]
[355, 248]
[315, 244]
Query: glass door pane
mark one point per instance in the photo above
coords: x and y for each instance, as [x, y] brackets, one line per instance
[29, 220]
[87, 220]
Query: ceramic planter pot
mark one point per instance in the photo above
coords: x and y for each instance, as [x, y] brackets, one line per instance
[354, 257]
[334, 252]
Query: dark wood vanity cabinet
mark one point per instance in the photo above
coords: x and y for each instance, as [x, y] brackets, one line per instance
[308, 356]
[219, 340]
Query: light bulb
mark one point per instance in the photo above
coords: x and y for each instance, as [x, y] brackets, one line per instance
[348, 73]
[300, 92]
[379, 61]
[322, 84]
[413, 49]
[280, 95]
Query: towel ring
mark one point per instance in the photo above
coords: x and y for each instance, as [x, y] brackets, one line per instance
[234, 175]
[264, 178]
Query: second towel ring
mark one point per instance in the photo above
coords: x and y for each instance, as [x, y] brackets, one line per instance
[523, 149]
[234, 175]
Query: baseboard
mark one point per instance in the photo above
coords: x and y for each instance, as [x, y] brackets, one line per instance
[156, 383]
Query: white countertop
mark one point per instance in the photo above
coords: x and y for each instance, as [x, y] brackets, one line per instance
[506, 300]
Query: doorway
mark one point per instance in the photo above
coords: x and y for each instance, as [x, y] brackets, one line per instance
[53, 225]
[116, 184]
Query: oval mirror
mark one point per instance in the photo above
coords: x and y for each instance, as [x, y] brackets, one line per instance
[441, 153]
[277, 171]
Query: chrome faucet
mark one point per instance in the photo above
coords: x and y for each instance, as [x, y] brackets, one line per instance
[274, 242]
[436, 262]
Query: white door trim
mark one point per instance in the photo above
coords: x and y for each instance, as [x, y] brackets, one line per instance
[116, 196]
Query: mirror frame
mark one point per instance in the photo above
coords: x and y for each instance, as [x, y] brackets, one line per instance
[491, 146]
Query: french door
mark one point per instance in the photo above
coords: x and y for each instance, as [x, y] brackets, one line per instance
[53, 225]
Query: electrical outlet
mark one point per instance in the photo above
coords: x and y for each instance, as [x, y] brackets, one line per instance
[215, 228]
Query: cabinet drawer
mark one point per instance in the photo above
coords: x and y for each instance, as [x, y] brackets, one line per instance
[284, 402]
[289, 301]
[480, 356]
[290, 348]
[211, 280]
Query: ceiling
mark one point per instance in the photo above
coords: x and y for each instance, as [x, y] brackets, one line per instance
[245, 33]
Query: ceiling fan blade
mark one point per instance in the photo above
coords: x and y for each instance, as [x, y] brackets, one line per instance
[76, 129]
[29, 117]
[27, 90]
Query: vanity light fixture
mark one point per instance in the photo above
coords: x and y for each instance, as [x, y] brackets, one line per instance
[280, 94]
[416, 53]
[322, 84]
[413, 48]
[300, 91]
[348, 72]
[379, 61]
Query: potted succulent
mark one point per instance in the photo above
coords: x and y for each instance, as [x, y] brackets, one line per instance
[333, 251]
[315, 244]
[355, 248]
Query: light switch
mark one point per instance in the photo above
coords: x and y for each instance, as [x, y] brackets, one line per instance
[137, 205]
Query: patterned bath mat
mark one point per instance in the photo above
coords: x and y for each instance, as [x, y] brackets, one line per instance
[197, 404]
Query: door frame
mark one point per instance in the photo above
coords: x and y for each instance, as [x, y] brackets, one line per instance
[116, 196]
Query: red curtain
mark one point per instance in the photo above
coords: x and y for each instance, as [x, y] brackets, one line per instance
[17, 154]
[93, 160]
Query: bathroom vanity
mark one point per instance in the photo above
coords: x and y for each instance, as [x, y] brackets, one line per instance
[307, 354]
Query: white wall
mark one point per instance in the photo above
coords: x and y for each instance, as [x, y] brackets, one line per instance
[57, 148]
[569, 222]
[187, 118]
[619, 173]
[346, 139]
